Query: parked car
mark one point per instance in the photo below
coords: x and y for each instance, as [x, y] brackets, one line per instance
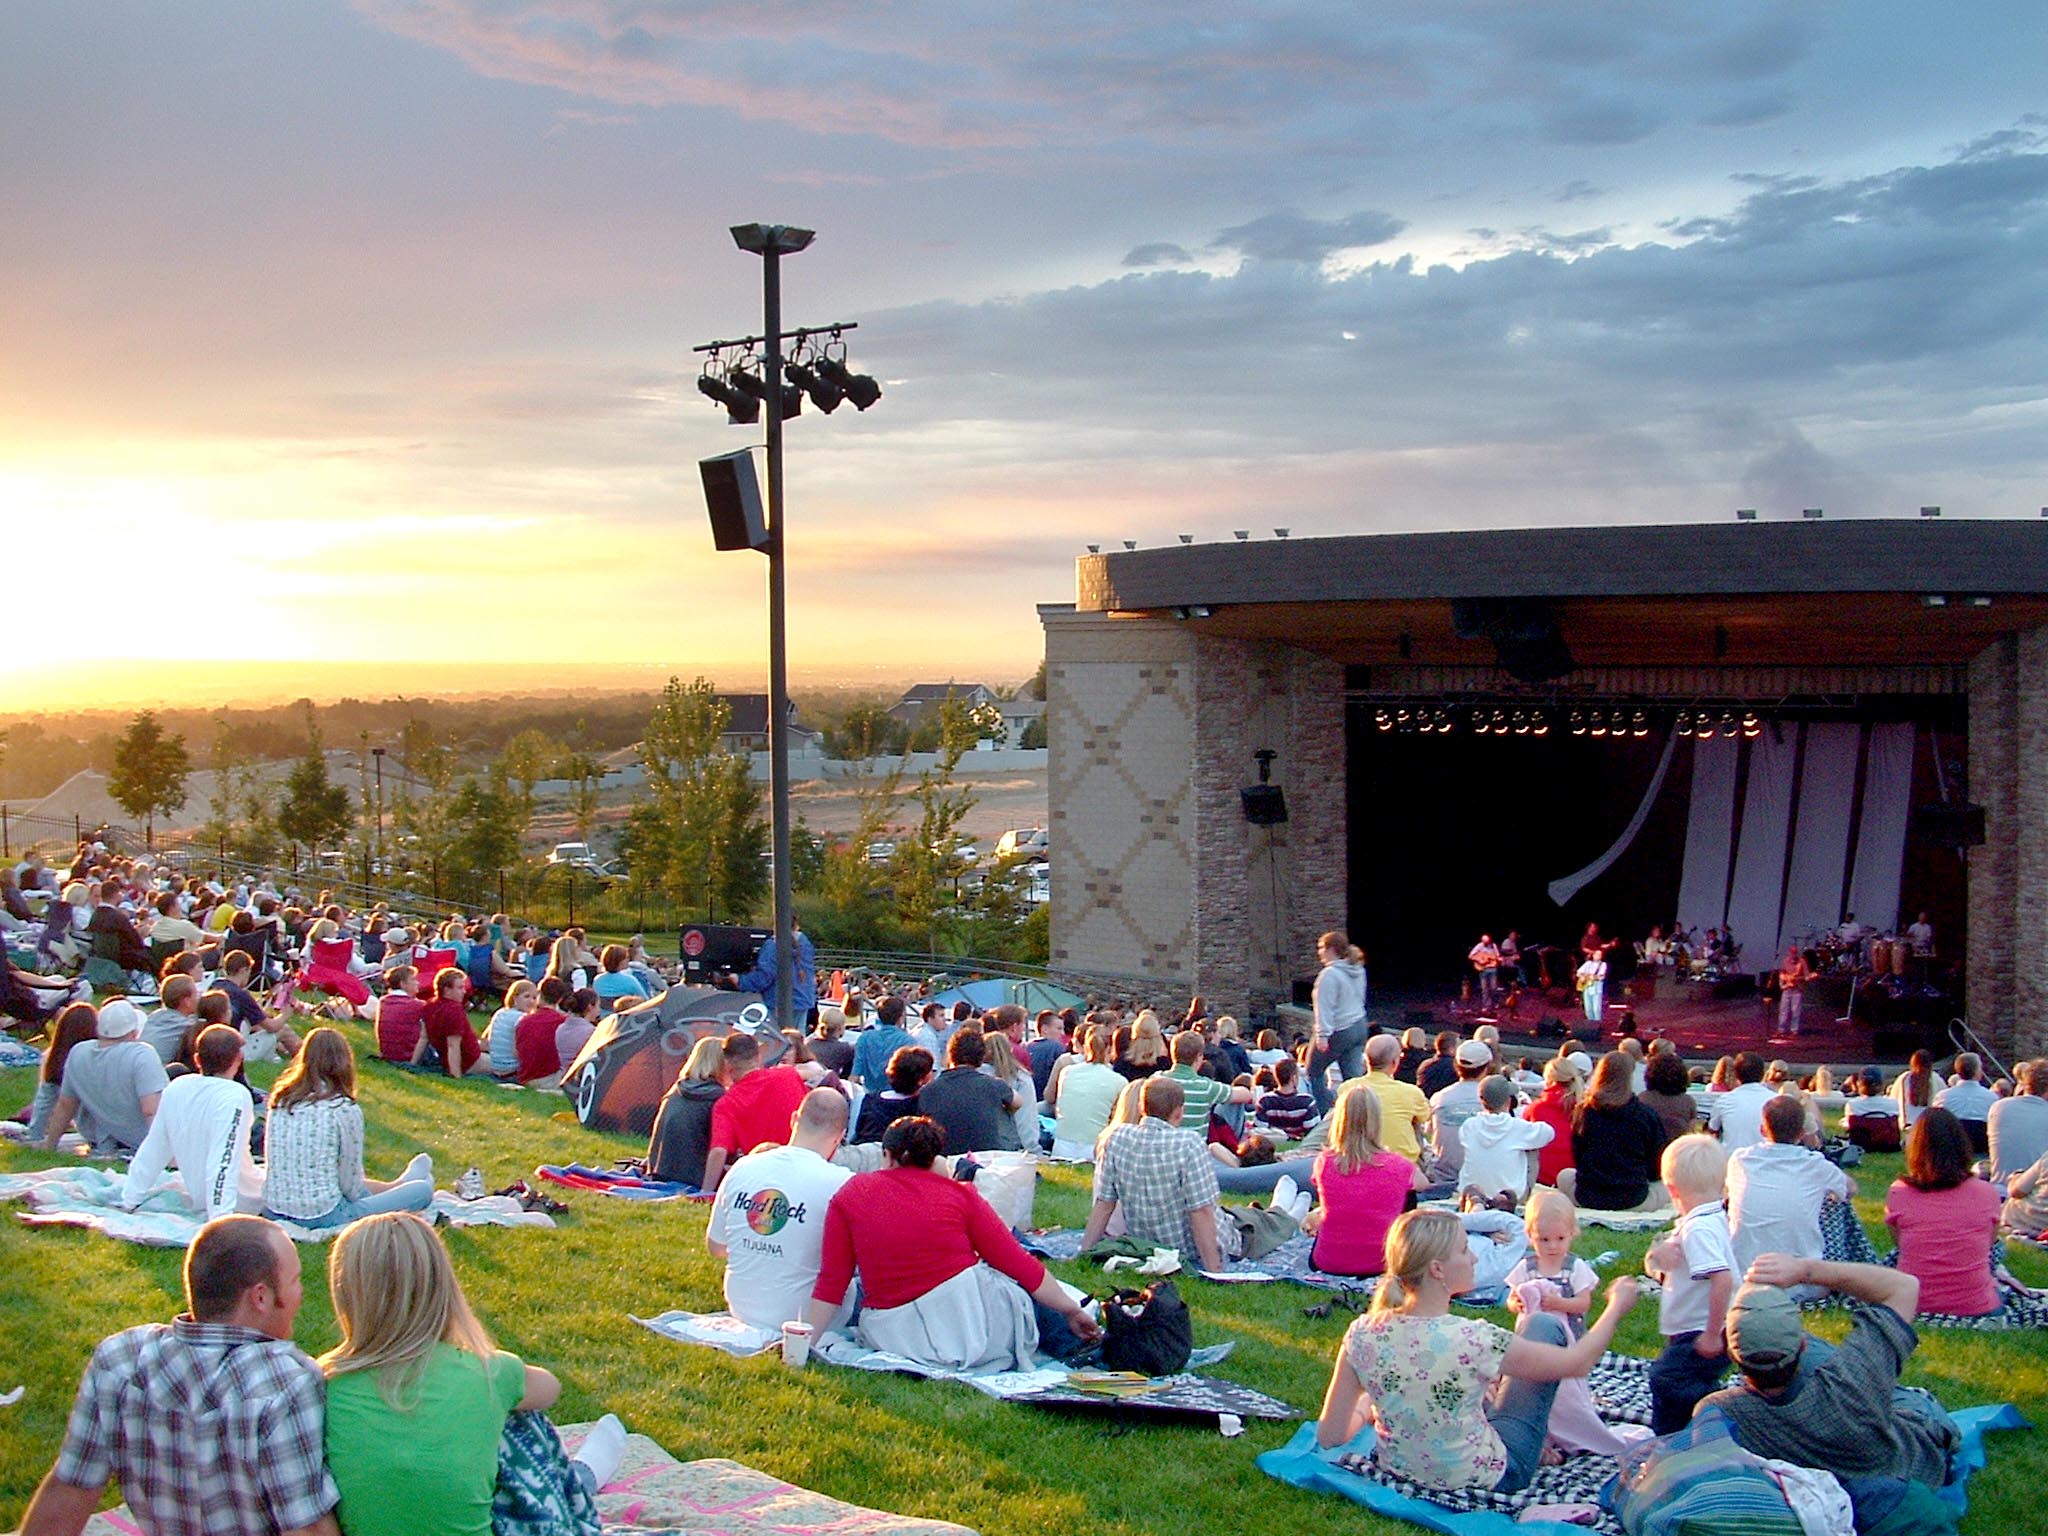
[1026, 841]
[572, 853]
[881, 850]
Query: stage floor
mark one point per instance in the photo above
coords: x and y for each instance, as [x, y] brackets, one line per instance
[1701, 1026]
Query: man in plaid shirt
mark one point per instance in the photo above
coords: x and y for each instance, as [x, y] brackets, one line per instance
[212, 1423]
[1165, 1180]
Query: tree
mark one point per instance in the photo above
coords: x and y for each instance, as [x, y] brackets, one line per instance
[528, 758]
[150, 769]
[927, 865]
[586, 778]
[701, 828]
[1035, 689]
[487, 818]
[866, 729]
[1034, 733]
[218, 829]
[313, 811]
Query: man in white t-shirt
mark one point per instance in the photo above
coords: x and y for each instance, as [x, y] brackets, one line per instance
[1738, 1115]
[1776, 1190]
[202, 1125]
[769, 1220]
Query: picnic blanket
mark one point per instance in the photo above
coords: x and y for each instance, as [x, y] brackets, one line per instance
[13, 1053]
[1618, 1381]
[612, 1181]
[1289, 1261]
[652, 1492]
[90, 1196]
[1184, 1394]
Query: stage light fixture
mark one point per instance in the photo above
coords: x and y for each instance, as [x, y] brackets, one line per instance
[1186, 538]
[1242, 534]
[1279, 533]
[1382, 720]
[1728, 723]
[857, 387]
[748, 382]
[1977, 602]
[1500, 722]
[1130, 543]
[1639, 724]
[1479, 723]
[1745, 514]
[1752, 727]
[1442, 720]
[1094, 549]
[740, 410]
[1521, 723]
[824, 394]
[1683, 724]
[1934, 600]
[1578, 722]
[1930, 511]
[1810, 512]
[1539, 724]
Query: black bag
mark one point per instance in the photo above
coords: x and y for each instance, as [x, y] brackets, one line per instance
[1147, 1331]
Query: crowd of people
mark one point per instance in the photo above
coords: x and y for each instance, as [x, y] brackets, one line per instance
[841, 1160]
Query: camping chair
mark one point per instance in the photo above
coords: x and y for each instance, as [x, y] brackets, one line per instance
[435, 962]
[161, 950]
[103, 968]
[256, 946]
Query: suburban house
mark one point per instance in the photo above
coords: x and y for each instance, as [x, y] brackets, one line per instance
[911, 707]
[1018, 714]
[747, 731]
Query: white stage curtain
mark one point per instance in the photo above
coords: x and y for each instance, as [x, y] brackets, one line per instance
[1820, 840]
[1563, 890]
[1709, 833]
[1881, 841]
[1755, 898]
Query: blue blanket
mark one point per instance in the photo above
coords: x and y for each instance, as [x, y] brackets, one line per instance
[1306, 1465]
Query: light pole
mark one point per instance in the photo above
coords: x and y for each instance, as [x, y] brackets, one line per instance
[827, 382]
[378, 754]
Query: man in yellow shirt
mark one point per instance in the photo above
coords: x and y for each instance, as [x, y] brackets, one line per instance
[1403, 1109]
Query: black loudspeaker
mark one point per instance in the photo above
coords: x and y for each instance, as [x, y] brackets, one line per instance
[1960, 825]
[710, 949]
[732, 495]
[1264, 805]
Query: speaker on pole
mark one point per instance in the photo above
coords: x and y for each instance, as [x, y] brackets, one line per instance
[732, 495]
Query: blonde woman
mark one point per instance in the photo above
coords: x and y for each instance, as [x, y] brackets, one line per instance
[1087, 1093]
[313, 1148]
[418, 1397]
[1018, 1131]
[1458, 1402]
[564, 961]
[681, 1138]
[502, 1033]
[1360, 1187]
[1142, 1051]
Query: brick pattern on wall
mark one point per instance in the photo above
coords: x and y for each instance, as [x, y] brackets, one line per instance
[2029, 970]
[1993, 866]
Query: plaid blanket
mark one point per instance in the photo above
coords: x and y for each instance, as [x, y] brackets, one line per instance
[89, 1196]
[1290, 1261]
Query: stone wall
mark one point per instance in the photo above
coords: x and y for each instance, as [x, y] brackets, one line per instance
[2030, 827]
[1156, 873]
[2007, 979]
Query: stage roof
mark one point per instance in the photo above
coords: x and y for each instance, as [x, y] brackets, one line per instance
[1849, 591]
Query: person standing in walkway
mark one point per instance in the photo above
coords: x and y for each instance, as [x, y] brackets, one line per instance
[1339, 1016]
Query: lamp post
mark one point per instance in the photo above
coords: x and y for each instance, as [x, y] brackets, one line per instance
[827, 381]
[378, 754]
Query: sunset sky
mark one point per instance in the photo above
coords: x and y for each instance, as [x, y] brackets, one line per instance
[361, 333]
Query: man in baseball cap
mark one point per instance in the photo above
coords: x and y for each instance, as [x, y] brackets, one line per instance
[1839, 1408]
[1451, 1107]
[110, 1086]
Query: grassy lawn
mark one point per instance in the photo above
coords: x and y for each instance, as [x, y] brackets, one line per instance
[561, 1299]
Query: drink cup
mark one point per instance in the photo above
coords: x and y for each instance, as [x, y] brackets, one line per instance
[796, 1344]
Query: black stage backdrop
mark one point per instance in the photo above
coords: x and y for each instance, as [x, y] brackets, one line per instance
[1457, 835]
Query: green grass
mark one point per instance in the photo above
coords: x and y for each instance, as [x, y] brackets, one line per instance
[561, 1299]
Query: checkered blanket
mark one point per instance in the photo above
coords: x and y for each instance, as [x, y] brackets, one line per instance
[90, 1196]
[1289, 1261]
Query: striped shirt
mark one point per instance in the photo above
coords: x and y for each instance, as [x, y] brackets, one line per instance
[315, 1157]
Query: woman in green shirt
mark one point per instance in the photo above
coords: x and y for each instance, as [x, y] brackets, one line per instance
[417, 1396]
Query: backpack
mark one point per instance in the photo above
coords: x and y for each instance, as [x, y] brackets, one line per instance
[1147, 1331]
[1700, 1482]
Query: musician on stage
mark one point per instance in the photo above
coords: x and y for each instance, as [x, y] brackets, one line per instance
[1793, 975]
[1486, 957]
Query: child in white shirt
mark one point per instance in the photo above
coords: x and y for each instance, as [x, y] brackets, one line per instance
[1696, 1267]
[1497, 1145]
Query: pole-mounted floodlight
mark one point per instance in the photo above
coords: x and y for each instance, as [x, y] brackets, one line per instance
[743, 386]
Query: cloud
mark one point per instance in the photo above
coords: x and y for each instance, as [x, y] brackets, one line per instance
[1578, 191]
[1290, 236]
[1610, 120]
[1158, 253]
[1748, 111]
